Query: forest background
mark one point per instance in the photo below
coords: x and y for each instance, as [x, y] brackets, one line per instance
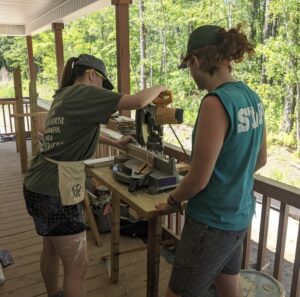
[159, 30]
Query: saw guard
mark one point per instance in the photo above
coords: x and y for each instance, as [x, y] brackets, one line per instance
[141, 127]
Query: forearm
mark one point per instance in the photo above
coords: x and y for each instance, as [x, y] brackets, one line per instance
[149, 94]
[140, 99]
[187, 189]
[108, 141]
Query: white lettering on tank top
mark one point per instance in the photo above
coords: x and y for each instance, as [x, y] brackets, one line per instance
[248, 118]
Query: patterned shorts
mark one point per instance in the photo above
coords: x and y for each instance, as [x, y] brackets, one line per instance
[203, 252]
[51, 218]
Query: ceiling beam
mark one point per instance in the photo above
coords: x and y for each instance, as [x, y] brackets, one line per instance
[12, 30]
[63, 13]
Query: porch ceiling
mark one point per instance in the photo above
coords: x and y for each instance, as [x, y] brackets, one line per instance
[28, 17]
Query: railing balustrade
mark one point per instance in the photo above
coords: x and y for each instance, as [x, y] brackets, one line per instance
[7, 123]
[267, 191]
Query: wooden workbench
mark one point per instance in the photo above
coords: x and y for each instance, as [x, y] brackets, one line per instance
[144, 204]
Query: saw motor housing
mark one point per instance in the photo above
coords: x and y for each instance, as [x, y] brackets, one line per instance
[161, 173]
[150, 121]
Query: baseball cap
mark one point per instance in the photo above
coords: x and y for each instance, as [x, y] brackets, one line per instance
[97, 64]
[201, 37]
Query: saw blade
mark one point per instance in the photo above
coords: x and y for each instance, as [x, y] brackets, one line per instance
[141, 127]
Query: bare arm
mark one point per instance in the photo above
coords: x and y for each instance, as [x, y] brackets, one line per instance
[121, 143]
[211, 130]
[262, 156]
[140, 99]
[108, 141]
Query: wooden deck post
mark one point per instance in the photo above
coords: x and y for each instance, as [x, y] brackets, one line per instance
[32, 96]
[20, 120]
[59, 49]
[123, 52]
[32, 73]
[115, 238]
[295, 288]
[246, 249]
[153, 255]
[263, 233]
[33, 119]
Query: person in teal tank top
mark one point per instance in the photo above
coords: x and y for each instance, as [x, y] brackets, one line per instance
[228, 146]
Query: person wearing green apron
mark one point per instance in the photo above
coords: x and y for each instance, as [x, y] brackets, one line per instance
[228, 146]
[54, 184]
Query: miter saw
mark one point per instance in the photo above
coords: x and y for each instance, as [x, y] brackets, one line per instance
[147, 166]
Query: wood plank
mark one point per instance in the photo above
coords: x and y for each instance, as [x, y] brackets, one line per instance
[20, 121]
[153, 255]
[277, 190]
[281, 240]
[295, 288]
[246, 249]
[143, 202]
[115, 238]
[263, 232]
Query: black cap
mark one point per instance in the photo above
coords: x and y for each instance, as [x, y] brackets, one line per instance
[97, 64]
[201, 37]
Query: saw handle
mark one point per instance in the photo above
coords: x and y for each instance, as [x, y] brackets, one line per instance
[164, 98]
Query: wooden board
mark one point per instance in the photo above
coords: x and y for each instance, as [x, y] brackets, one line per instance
[140, 201]
[99, 162]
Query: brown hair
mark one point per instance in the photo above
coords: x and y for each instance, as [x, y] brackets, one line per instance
[232, 46]
[71, 73]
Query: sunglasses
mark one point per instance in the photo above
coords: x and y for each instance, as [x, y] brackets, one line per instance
[97, 73]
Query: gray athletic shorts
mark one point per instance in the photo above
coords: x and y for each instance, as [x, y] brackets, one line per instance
[203, 252]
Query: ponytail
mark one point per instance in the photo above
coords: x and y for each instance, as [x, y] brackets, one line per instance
[68, 74]
[234, 45]
[71, 73]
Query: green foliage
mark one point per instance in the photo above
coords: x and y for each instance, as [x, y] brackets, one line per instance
[6, 90]
[277, 175]
[289, 140]
[271, 72]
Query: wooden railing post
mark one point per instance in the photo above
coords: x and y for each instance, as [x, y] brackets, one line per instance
[123, 52]
[33, 119]
[20, 120]
[16, 130]
[32, 73]
[295, 289]
[281, 240]
[59, 49]
[246, 249]
[263, 232]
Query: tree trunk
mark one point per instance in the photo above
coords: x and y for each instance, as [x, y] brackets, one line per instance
[297, 119]
[292, 38]
[255, 16]
[264, 36]
[143, 81]
[164, 42]
[228, 5]
[289, 109]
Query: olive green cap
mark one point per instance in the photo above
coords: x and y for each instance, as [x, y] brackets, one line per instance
[201, 37]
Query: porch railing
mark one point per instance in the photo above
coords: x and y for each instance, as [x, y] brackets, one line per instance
[267, 191]
[7, 108]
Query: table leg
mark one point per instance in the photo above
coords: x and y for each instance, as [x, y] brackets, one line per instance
[91, 219]
[153, 257]
[115, 238]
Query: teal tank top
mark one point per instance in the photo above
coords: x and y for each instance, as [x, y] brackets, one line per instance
[227, 202]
